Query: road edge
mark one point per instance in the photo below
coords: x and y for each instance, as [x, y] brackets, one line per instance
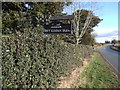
[110, 65]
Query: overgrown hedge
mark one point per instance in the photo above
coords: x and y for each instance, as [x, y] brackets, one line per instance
[31, 59]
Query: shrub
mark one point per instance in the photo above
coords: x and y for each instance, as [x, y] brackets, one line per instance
[30, 59]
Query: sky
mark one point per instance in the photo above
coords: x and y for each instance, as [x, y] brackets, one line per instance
[108, 11]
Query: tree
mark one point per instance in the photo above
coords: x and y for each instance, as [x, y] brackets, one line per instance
[118, 41]
[107, 42]
[83, 35]
[88, 39]
[83, 20]
[114, 41]
[83, 23]
[79, 32]
[17, 15]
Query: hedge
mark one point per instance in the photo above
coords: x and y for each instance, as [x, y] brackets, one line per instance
[30, 59]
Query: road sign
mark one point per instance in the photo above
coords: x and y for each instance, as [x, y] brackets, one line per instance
[57, 27]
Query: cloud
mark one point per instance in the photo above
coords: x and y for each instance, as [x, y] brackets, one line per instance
[104, 34]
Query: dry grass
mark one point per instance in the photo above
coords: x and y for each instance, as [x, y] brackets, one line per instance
[67, 82]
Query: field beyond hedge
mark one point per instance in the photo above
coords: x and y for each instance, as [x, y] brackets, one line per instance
[30, 59]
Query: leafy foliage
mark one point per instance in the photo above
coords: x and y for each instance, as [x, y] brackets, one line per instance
[88, 39]
[30, 59]
[84, 21]
[94, 22]
[107, 42]
[114, 41]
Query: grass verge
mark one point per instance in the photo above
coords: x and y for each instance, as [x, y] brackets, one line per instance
[97, 74]
[115, 48]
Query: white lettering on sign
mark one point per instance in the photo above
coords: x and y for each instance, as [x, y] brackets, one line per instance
[57, 26]
[57, 30]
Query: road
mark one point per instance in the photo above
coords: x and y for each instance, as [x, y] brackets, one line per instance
[111, 56]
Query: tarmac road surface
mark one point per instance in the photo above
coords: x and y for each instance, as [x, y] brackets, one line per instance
[111, 56]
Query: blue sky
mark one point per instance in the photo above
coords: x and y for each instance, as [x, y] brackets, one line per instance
[108, 28]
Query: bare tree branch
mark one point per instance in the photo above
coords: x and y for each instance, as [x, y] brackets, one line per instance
[77, 29]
